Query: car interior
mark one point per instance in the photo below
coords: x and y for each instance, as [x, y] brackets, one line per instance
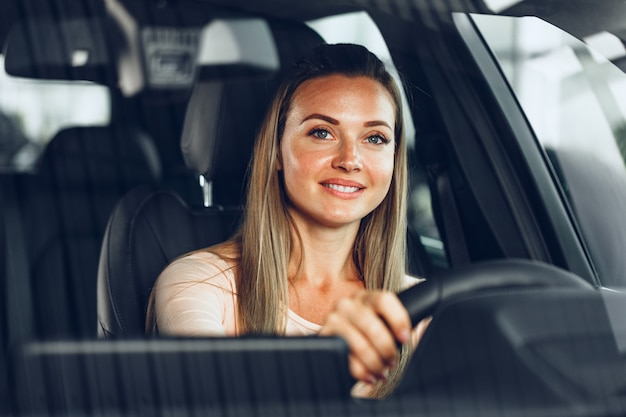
[91, 215]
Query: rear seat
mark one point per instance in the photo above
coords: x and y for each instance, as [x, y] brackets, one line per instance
[64, 209]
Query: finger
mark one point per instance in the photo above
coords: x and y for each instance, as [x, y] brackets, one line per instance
[389, 307]
[373, 330]
[362, 348]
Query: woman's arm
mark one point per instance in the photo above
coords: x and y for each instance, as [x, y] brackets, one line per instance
[195, 296]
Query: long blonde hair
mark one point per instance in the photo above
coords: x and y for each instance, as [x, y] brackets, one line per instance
[264, 239]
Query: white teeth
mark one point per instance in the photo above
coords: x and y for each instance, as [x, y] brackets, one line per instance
[342, 188]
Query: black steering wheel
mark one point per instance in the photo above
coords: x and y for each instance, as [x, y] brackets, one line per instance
[421, 300]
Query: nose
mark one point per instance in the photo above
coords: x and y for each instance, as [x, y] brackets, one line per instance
[348, 157]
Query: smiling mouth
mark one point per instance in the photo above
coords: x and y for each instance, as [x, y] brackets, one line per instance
[342, 188]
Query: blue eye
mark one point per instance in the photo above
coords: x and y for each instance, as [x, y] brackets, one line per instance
[320, 133]
[376, 139]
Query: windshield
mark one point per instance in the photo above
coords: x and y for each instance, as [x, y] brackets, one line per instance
[179, 236]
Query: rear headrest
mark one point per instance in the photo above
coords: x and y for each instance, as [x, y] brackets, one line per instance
[152, 55]
[223, 118]
[102, 157]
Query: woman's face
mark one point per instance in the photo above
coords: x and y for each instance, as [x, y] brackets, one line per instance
[337, 149]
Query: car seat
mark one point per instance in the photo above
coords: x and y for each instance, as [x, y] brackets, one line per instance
[64, 208]
[151, 227]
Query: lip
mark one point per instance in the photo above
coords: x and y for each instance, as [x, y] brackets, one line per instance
[343, 183]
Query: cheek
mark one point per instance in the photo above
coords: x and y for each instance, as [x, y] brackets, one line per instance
[291, 164]
[298, 172]
[382, 169]
[299, 162]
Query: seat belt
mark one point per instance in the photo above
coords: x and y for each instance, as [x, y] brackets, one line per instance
[18, 295]
[453, 229]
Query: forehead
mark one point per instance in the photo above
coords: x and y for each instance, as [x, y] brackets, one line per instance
[340, 92]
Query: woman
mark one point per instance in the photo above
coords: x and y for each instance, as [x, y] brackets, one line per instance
[321, 249]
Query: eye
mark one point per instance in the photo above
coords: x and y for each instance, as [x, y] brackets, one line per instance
[320, 133]
[376, 139]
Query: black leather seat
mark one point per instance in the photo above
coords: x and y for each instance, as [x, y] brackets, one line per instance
[151, 227]
[64, 208]
[148, 229]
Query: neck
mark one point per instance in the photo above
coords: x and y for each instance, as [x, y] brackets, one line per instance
[323, 256]
[321, 271]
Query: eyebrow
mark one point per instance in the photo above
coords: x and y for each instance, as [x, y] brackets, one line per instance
[321, 117]
[376, 123]
[333, 121]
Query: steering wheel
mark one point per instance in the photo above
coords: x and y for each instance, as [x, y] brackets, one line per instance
[421, 300]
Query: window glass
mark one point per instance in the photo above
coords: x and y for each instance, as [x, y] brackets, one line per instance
[33, 111]
[359, 28]
[575, 101]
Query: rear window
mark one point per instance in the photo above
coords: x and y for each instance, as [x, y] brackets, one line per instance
[33, 111]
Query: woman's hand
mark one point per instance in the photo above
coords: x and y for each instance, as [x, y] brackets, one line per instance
[371, 323]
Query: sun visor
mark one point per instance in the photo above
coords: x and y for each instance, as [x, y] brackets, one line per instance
[71, 49]
[162, 58]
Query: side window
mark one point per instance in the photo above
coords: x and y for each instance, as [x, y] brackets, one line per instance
[33, 111]
[575, 101]
[359, 28]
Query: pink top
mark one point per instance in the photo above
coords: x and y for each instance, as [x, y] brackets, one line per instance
[196, 296]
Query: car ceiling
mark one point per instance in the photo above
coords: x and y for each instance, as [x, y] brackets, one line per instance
[579, 17]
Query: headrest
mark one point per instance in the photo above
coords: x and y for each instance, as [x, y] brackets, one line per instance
[103, 156]
[156, 56]
[70, 49]
[223, 118]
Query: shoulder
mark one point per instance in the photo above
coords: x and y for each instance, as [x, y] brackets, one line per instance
[198, 267]
[195, 295]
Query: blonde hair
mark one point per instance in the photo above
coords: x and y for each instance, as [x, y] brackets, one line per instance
[264, 239]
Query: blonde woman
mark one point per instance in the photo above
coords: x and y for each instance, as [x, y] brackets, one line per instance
[321, 249]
